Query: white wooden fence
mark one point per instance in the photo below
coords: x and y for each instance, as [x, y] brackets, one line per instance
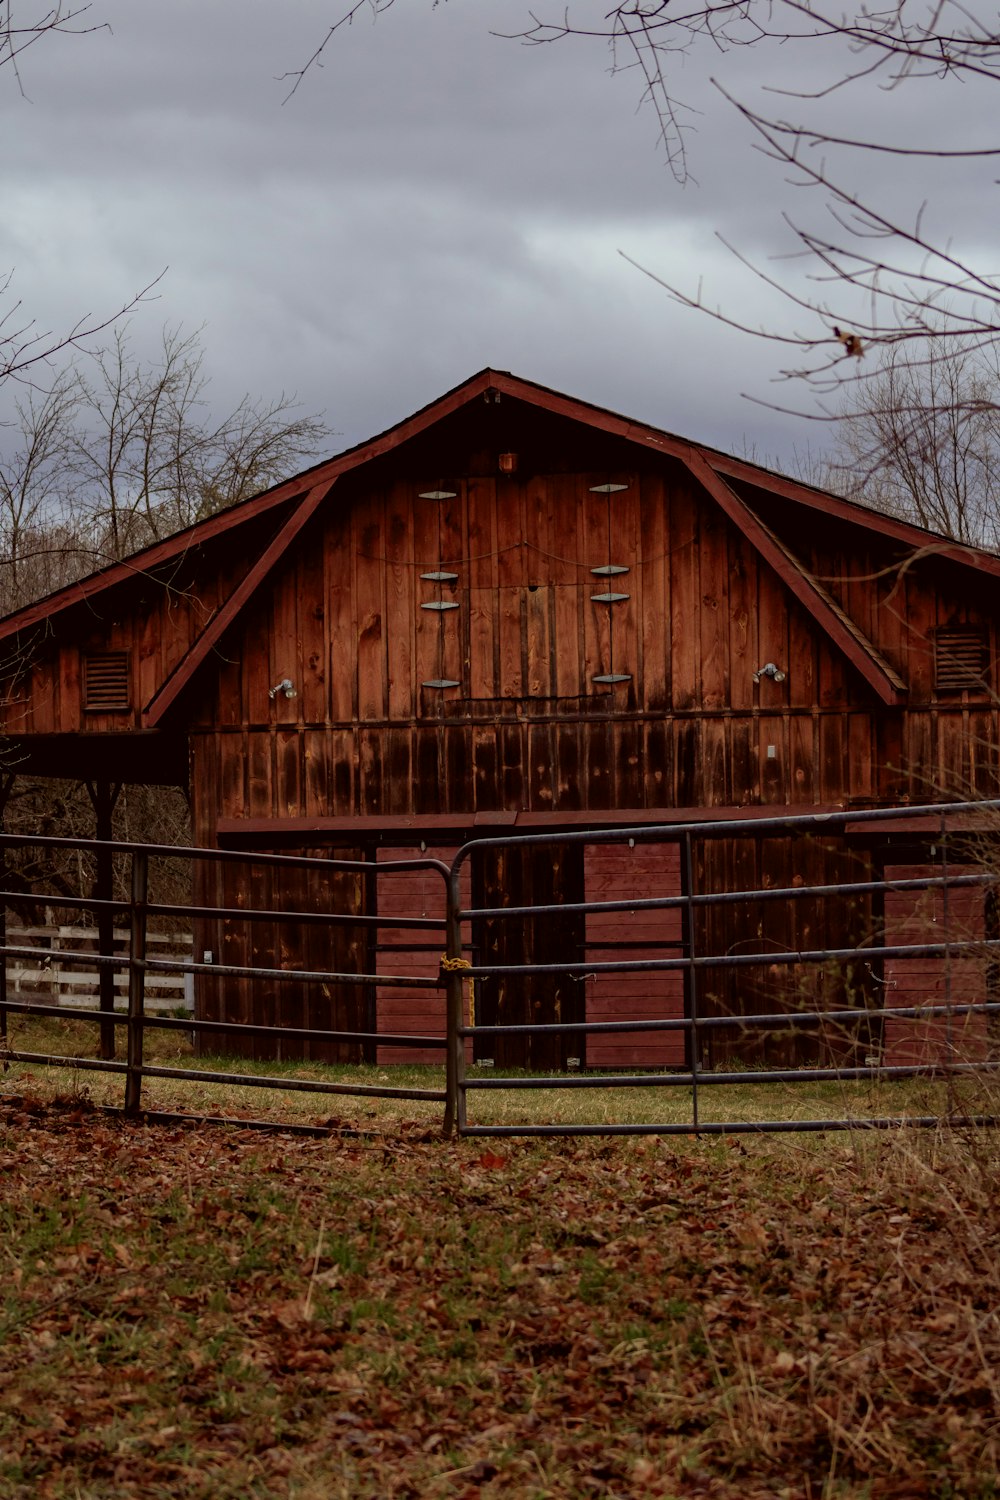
[50, 978]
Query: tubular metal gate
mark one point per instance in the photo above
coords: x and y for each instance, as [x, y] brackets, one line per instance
[926, 943]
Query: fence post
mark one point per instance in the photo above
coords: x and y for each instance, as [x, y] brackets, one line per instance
[949, 1042]
[3, 941]
[103, 796]
[692, 978]
[454, 1109]
[6, 786]
[136, 980]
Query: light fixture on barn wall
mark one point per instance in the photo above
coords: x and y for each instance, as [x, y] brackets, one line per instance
[507, 463]
[286, 686]
[769, 669]
[437, 494]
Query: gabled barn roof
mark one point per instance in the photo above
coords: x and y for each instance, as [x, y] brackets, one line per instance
[293, 502]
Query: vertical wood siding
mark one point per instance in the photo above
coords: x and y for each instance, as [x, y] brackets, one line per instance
[614, 872]
[527, 729]
[926, 917]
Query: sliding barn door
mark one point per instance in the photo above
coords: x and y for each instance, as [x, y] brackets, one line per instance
[616, 872]
[529, 876]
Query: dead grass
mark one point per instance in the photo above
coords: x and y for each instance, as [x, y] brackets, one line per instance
[212, 1313]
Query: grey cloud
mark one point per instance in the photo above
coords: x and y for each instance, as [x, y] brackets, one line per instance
[432, 200]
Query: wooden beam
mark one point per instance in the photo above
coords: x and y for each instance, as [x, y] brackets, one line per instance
[592, 416]
[854, 644]
[653, 439]
[142, 563]
[350, 830]
[136, 756]
[672, 446]
[926, 828]
[167, 695]
[915, 537]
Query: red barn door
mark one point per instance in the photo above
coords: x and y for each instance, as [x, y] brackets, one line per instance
[616, 872]
[412, 951]
[923, 917]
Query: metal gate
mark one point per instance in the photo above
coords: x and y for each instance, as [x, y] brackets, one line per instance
[592, 961]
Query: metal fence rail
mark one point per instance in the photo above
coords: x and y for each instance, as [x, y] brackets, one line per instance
[949, 948]
[137, 966]
[459, 978]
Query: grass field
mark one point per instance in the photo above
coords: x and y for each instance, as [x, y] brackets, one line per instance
[743, 1101]
[212, 1313]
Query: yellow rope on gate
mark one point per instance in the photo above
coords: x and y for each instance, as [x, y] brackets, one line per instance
[451, 966]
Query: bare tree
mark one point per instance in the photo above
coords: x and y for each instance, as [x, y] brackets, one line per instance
[149, 458]
[921, 440]
[34, 484]
[120, 452]
[876, 279]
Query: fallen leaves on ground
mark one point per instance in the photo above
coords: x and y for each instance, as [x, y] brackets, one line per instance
[208, 1312]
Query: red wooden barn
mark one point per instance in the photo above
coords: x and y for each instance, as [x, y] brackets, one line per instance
[514, 612]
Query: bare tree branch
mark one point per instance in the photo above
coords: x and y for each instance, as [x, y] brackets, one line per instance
[16, 38]
[880, 281]
[119, 453]
[23, 346]
[923, 443]
[315, 60]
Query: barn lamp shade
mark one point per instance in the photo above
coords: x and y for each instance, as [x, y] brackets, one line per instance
[769, 669]
[285, 687]
[436, 494]
[507, 463]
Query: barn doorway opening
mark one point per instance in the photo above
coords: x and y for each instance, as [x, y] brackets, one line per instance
[519, 876]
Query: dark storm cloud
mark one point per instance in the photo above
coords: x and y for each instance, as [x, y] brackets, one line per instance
[432, 200]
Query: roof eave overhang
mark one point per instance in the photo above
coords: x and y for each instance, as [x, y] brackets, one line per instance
[711, 467]
[832, 620]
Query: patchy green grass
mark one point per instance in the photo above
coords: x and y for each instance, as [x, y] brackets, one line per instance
[746, 1100]
[205, 1312]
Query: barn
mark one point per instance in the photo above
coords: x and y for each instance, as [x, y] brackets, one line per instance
[517, 612]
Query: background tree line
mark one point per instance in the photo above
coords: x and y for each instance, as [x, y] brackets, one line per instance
[116, 453]
[112, 454]
[897, 336]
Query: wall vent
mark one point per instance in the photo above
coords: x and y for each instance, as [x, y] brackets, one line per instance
[959, 659]
[106, 681]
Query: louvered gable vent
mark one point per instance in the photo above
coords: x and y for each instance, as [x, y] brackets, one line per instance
[106, 681]
[959, 659]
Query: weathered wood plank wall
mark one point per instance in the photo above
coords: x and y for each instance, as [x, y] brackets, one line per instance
[526, 729]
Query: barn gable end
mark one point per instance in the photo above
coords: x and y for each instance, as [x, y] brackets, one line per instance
[514, 610]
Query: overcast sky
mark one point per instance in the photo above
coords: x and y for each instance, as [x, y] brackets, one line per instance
[432, 200]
